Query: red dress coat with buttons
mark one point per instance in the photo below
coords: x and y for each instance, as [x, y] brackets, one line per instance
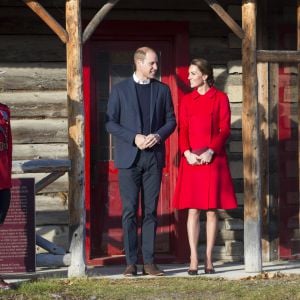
[204, 122]
[5, 148]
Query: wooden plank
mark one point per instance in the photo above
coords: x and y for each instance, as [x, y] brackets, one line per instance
[97, 19]
[39, 131]
[39, 48]
[21, 20]
[49, 246]
[251, 142]
[57, 234]
[32, 76]
[48, 19]
[278, 56]
[40, 166]
[52, 260]
[53, 217]
[60, 185]
[76, 139]
[51, 104]
[226, 18]
[273, 218]
[51, 202]
[40, 151]
[40, 185]
[298, 90]
[263, 100]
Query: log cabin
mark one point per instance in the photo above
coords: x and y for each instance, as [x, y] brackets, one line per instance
[58, 60]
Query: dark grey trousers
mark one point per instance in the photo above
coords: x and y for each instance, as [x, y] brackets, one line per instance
[143, 178]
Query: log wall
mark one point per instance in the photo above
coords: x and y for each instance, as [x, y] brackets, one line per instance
[33, 84]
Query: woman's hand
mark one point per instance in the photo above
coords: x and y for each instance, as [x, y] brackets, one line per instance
[191, 158]
[206, 157]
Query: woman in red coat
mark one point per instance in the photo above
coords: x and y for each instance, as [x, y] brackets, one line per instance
[204, 180]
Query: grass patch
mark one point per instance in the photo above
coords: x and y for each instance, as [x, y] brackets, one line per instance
[287, 287]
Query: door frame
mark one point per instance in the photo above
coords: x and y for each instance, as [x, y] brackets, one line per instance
[177, 34]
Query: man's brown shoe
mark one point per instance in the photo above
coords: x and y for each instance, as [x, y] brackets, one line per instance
[152, 269]
[130, 270]
[4, 285]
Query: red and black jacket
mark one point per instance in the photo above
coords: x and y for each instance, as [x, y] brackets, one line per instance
[5, 148]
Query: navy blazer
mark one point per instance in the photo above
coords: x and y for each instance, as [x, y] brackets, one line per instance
[124, 120]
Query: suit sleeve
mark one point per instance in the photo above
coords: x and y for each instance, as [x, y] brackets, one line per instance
[113, 115]
[184, 143]
[218, 141]
[170, 120]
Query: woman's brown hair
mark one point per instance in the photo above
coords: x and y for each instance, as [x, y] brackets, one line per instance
[205, 68]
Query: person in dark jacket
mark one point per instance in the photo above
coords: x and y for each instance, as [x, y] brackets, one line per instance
[5, 168]
[140, 116]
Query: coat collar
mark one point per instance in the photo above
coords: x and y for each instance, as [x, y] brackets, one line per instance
[210, 93]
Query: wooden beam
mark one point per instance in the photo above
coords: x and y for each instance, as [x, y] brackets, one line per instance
[91, 27]
[76, 139]
[49, 246]
[40, 166]
[278, 56]
[298, 48]
[47, 180]
[251, 143]
[48, 19]
[52, 260]
[226, 18]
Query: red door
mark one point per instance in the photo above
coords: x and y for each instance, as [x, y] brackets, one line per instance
[108, 60]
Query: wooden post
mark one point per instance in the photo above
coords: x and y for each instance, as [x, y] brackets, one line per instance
[251, 145]
[76, 139]
[298, 48]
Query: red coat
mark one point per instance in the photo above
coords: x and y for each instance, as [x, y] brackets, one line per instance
[5, 148]
[204, 121]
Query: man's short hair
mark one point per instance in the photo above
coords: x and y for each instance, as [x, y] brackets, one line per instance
[140, 53]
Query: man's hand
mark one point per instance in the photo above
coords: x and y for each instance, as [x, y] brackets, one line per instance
[140, 140]
[151, 140]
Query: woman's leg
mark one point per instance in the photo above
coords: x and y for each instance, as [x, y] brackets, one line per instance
[193, 229]
[211, 232]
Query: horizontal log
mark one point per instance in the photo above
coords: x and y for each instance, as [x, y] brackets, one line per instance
[60, 185]
[40, 151]
[39, 131]
[278, 56]
[41, 166]
[41, 48]
[20, 20]
[138, 4]
[53, 260]
[57, 202]
[37, 104]
[49, 246]
[32, 76]
[55, 217]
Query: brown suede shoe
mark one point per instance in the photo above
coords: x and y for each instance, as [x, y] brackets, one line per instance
[131, 270]
[152, 269]
[4, 285]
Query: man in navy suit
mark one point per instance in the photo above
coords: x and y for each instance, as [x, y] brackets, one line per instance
[140, 116]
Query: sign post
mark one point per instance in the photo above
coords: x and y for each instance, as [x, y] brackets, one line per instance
[17, 234]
